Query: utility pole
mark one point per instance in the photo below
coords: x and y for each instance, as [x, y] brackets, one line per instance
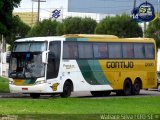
[38, 10]
[32, 15]
[39, 3]
[158, 10]
[1, 56]
[144, 25]
[134, 4]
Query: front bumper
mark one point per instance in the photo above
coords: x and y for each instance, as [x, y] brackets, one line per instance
[41, 88]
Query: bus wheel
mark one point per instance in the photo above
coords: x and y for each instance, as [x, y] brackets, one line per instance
[136, 87]
[67, 89]
[127, 87]
[35, 95]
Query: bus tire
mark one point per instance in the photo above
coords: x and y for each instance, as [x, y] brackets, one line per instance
[100, 93]
[136, 87]
[67, 89]
[35, 95]
[127, 87]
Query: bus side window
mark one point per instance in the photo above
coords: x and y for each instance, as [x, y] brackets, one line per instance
[115, 50]
[139, 51]
[70, 50]
[100, 50]
[149, 51]
[128, 51]
[85, 50]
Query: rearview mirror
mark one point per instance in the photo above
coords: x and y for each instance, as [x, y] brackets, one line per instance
[44, 57]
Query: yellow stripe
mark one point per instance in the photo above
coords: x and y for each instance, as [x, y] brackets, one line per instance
[20, 82]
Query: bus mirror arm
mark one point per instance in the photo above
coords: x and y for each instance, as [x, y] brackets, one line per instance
[44, 57]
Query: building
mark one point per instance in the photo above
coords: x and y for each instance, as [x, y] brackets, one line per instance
[97, 9]
[29, 18]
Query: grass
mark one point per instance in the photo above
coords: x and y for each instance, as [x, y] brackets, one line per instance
[74, 108]
[4, 85]
[80, 106]
[144, 105]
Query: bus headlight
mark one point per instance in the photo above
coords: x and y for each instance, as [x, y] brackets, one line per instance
[40, 82]
[11, 82]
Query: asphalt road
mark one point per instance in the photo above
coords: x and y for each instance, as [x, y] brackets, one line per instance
[143, 93]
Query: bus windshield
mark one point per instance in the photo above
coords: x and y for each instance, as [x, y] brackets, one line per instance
[26, 65]
[26, 60]
[29, 46]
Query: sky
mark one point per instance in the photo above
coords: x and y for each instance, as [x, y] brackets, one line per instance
[106, 6]
[100, 6]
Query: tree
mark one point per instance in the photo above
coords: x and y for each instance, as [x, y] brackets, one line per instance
[72, 25]
[60, 29]
[77, 25]
[121, 26]
[153, 31]
[19, 30]
[44, 28]
[88, 26]
[6, 8]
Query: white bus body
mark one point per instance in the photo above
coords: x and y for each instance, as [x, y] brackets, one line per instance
[60, 65]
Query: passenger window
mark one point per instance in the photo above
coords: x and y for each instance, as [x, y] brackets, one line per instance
[149, 51]
[85, 50]
[128, 51]
[139, 50]
[100, 50]
[115, 50]
[70, 50]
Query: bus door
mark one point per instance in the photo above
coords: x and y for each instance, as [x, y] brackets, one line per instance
[53, 59]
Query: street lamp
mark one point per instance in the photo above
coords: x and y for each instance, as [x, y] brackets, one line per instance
[134, 4]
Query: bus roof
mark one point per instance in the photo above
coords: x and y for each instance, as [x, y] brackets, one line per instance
[139, 39]
[88, 36]
[48, 38]
[107, 38]
[92, 37]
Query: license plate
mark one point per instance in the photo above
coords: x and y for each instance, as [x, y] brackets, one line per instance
[24, 89]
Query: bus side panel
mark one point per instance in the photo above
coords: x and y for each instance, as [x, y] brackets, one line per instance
[116, 71]
[70, 71]
[83, 75]
[93, 74]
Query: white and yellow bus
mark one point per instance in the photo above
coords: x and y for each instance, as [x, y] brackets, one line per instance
[100, 64]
